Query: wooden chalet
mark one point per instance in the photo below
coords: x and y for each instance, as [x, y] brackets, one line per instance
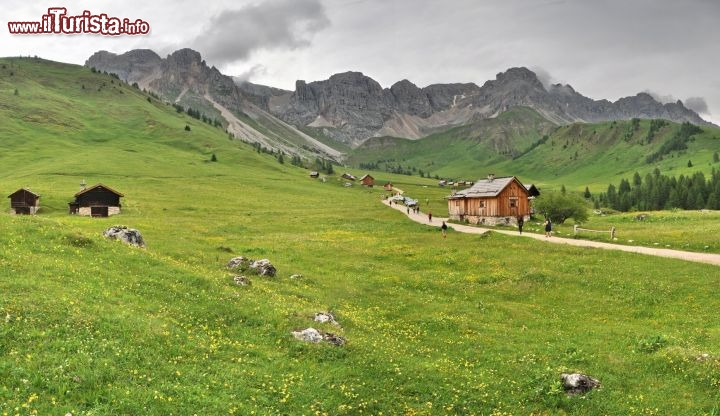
[491, 201]
[96, 201]
[367, 180]
[348, 176]
[24, 201]
[314, 174]
[388, 186]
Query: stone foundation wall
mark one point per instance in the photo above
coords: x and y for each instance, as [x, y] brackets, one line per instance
[489, 221]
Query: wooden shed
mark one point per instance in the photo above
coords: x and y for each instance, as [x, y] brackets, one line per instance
[24, 201]
[491, 201]
[367, 180]
[96, 201]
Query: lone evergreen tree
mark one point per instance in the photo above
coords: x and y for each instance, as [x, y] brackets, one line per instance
[213, 158]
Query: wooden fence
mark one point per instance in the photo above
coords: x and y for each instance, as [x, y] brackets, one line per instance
[577, 229]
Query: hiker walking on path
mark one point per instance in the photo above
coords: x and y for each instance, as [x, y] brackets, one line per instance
[520, 222]
[548, 227]
[429, 216]
[443, 227]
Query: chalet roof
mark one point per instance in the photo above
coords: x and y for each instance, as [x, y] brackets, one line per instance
[485, 188]
[366, 176]
[24, 190]
[532, 190]
[99, 186]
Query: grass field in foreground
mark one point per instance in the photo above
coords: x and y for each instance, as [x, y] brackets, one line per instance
[463, 325]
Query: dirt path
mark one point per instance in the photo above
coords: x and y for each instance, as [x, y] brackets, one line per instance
[709, 258]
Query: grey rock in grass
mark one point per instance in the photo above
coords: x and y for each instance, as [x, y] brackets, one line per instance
[238, 262]
[263, 267]
[577, 383]
[334, 339]
[242, 281]
[325, 317]
[127, 235]
[315, 336]
[296, 276]
[308, 335]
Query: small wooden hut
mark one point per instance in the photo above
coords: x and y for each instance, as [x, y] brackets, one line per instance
[24, 201]
[367, 180]
[96, 201]
[491, 201]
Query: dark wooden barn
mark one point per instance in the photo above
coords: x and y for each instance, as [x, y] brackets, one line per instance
[24, 201]
[491, 201]
[96, 201]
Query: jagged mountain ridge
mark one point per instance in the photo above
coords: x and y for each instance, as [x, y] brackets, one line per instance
[183, 77]
[351, 107]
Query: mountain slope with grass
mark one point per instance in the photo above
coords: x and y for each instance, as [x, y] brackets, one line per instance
[521, 142]
[462, 325]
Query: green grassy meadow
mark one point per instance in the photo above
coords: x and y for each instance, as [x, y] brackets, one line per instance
[466, 325]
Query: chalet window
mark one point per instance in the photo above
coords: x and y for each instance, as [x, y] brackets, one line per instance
[482, 204]
[513, 202]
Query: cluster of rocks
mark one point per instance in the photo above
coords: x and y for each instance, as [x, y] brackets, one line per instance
[126, 235]
[315, 336]
[261, 267]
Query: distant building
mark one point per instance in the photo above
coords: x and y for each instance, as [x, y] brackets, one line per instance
[532, 190]
[388, 186]
[491, 201]
[24, 201]
[314, 175]
[348, 176]
[367, 180]
[96, 201]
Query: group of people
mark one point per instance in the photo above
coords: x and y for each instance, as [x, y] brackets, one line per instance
[547, 225]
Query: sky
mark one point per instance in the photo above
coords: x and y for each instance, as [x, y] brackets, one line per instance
[604, 49]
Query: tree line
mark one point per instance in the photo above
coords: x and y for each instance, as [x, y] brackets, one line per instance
[660, 192]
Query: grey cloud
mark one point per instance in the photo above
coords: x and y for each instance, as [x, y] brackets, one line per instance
[254, 71]
[543, 76]
[278, 24]
[698, 105]
[665, 99]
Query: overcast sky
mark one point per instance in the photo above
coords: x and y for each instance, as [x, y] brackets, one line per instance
[603, 48]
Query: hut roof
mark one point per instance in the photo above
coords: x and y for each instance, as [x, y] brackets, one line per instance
[532, 190]
[24, 190]
[485, 188]
[99, 186]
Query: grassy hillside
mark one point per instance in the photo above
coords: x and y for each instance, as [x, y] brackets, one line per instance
[461, 153]
[463, 325]
[519, 142]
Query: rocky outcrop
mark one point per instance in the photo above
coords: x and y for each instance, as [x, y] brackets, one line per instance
[261, 267]
[577, 383]
[126, 235]
[137, 66]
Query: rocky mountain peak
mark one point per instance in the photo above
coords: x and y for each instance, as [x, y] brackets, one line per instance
[186, 57]
[519, 75]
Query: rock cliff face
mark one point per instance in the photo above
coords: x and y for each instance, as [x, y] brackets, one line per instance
[351, 107]
[184, 78]
[139, 65]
